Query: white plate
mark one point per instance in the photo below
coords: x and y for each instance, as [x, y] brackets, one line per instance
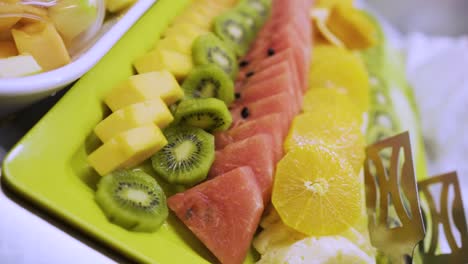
[17, 93]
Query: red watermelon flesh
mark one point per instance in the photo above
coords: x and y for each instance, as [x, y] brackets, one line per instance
[278, 103]
[223, 213]
[272, 86]
[274, 68]
[285, 55]
[276, 125]
[301, 57]
[255, 152]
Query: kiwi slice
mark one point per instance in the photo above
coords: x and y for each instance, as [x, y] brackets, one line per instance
[262, 8]
[187, 157]
[133, 200]
[232, 28]
[210, 114]
[253, 21]
[209, 49]
[209, 81]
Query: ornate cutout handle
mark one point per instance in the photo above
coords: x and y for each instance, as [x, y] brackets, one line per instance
[459, 253]
[392, 184]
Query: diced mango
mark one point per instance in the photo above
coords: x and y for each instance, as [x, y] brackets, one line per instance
[8, 22]
[7, 49]
[209, 9]
[127, 149]
[144, 87]
[18, 66]
[187, 30]
[179, 64]
[352, 27]
[43, 42]
[176, 43]
[132, 116]
[191, 17]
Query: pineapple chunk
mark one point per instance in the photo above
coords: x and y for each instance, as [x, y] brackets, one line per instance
[43, 42]
[179, 64]
[7, 49]
[209, 9]
[133, 116]
[198, 19]
[144, 87]
[127, 149]
[185, 29]
[177, 43]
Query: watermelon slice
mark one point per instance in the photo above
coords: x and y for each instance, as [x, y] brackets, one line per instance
[255, 152]
[222, 217]
[279, 103]
[285, 55]
[275, 85]
[276, 125]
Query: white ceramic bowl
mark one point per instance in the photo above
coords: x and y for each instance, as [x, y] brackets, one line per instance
[17, 93]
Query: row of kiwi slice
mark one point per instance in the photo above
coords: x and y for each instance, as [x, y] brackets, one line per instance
[238, 27]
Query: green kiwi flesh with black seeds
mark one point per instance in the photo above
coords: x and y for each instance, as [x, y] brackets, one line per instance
[232, 28]
[209, 81]
[261, 7]
[133, 200]
[209, 49]
[210, 114]
[187, 157]
[251, 18]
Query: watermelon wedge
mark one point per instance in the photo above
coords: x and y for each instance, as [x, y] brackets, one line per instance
[279, 103]
[274, 85]
[255, 152]
[222, 217]
[276, 125]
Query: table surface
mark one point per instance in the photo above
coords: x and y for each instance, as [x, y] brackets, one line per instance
[27, 235]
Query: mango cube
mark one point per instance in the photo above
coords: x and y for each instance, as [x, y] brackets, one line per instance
[127, 149]
[7, 49]
[187, 30]
[144, 87]
[43, 42]
[177, 43]
[195, 18]
[132, 116]
[179, 64]
[215, 5]
[7, 22]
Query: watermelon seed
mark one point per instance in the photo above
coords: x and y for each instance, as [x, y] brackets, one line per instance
[238, 95]
[188, 214]
[271, 52]
[245, 112]
[243, 63]
[249, 74]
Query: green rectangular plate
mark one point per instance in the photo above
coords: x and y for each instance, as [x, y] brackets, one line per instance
[48, 166]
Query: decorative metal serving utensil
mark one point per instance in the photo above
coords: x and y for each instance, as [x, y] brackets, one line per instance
[451, 218]
[393, 206]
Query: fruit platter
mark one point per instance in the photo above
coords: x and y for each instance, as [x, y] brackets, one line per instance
[224, 131]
